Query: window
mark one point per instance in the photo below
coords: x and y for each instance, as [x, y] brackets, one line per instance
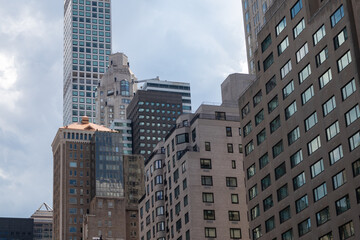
[228, 132]
[354, 141]
[323, 216]
[280, 27]
[299, 181]
[288, 235]
[268, 203]
[337, 16]
[296, 9]
[285, 69]
[265, 182]
[261, 137]
[209, 214]
[247, 129]
[317, 168]
[251, 171]
[356, 167]
[320, 192]
[282, 192]
[230, 148]
[325, 78]
[307, 95]
[358, 195]
[336, 154]
[235, 233]
[249, 148]
[339, 179]
[346, 230]
[280, 171]
[288, 89]
[304, 227]
[329, 105]
[234, 216]
[268, 61]
[266, 43]
[206, 180]
[296, 158]
[208, 197]
[301, 203]
[271, 84]
[344, 61]
[259, 117]
[210, 232]
[293, 135]
[257, 98]
[263, 160]
[304, 73]
[231, 182]
[245, 110]
[311, 121]
[234, 198]
[340, 38]
[256, 232]
[342, 205]
[301, 53]
[159, 195]
[283, 45]
[348, 89]
[270, 224]
[319, 34]
[273, 104]
[314, 145]
[253, 192]
[255, 212]
[352, 115]
[285, 214]
[290, 110]
[277, 149]
[327, 236]
[332, 130]
[299, 28]
[322, 56]
[205, 163]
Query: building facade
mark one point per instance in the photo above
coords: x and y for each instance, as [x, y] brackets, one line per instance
[171, 87]
[115, 91]
[72, 180]
[87, 46]
[152, 115]
[195, 179]
[300, 122]
[16, 228]
[254, 18]
[43, 219]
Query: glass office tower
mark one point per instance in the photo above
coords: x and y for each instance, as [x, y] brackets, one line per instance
[87, 46]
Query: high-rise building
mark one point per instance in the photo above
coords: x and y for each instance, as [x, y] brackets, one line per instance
[16, 228]
[152, 115]
[87, 46]
[115, 91]
[300, 122]
[254, 18]
[72, 180]
[171, 87]
[194, 180]
[43, 218]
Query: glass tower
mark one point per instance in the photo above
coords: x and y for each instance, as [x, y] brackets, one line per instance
[87, 46]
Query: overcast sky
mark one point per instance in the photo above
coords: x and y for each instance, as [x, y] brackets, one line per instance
[196, 41]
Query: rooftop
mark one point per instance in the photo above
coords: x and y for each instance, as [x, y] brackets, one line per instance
[86, 125]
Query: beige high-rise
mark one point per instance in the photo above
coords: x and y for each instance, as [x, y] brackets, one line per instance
[300, 122]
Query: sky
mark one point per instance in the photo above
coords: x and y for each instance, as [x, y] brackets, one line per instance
[196, 41]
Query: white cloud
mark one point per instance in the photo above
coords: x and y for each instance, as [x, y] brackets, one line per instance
[8, 78]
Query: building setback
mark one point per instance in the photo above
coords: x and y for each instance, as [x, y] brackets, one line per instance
[194, 179]
[300, 122]
[153, 114]
[115, 91]
[171, 87]
[254, 18]
[87, 46]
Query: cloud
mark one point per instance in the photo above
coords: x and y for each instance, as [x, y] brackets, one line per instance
[8, 78]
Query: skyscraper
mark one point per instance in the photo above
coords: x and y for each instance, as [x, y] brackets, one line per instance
[300, 122]
[87, 46]
[254, 17]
